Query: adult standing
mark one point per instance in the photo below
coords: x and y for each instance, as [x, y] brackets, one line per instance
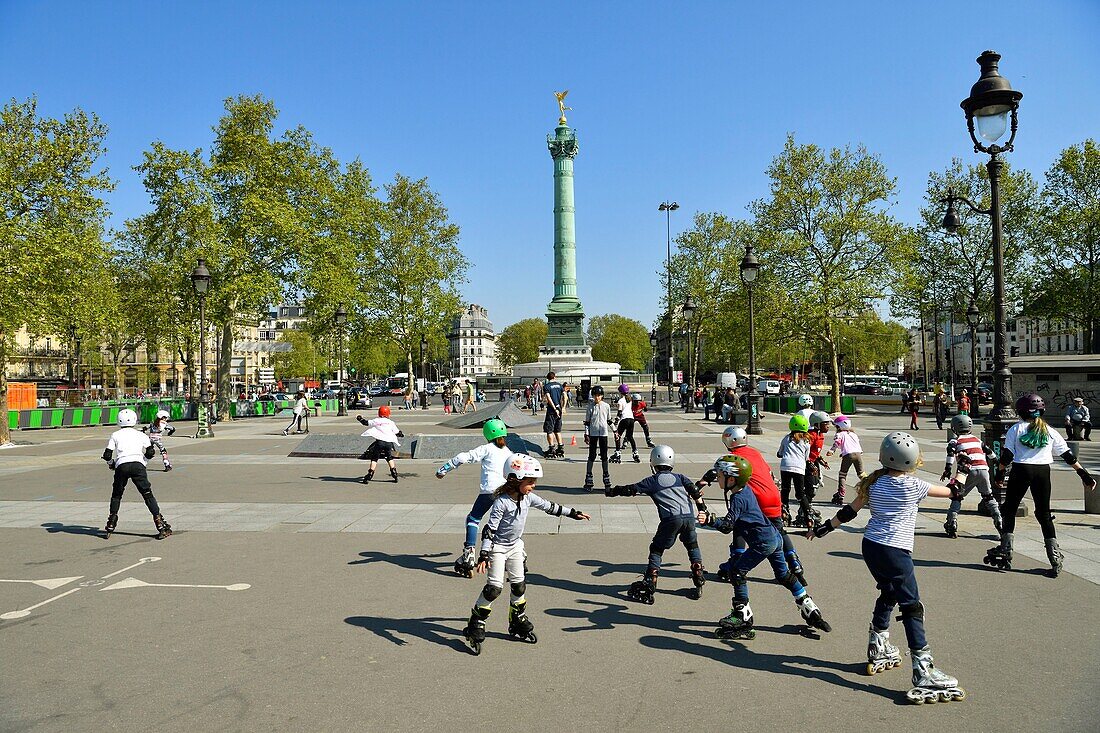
[912, 406]
[939, 408]
[554, 399]
[1030, 447]
[1078, 414]
[471, 396]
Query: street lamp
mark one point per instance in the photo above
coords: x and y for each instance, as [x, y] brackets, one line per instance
[653, 363]
[972, 318]
[990, 111]
[750, 268]
[341, 317]
[200, 280]
[668, 207]
[688, 309]
[423, 373]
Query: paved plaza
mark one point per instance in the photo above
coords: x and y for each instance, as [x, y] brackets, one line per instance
[293, 597]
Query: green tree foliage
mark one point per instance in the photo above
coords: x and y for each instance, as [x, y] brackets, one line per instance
[51, 221]
[825, 233]
[619, 339]
[1068, 261]
[520, 342]
[870, 343]
[304, 360]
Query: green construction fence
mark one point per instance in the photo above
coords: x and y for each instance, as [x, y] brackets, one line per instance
[106, 413]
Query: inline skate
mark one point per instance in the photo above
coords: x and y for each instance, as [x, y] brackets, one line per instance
[994, 510]
[616, 457]
[393, 473]
[811, 614]
[838, 498]
[786, 516]
[366, 479]
[951, 526]
[1000, 557]
[112, 522]
[475, 629]
[519, 625]
[465, 564]
[930, 684]
[698, 579]
[738, 624]
[163, 528]
[1055, 556]
[636, 458]
[642, 590]
[881, 654]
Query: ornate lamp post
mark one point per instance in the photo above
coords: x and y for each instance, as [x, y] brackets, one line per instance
[972, 317]
[341, 317]
[668, 207]
[750, 268]
[653, 362]
[688, 309]
[990, 112]
[200, 280]
[423, 373]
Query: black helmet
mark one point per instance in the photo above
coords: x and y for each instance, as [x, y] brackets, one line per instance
[597, 390]
[1030, 405]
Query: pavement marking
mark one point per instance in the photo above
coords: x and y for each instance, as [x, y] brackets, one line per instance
[48, 583]
[52, 583]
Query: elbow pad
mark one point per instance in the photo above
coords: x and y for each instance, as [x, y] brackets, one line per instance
[846, 514]
[149, 452]
[108, 454]
[169, 431]
[1006, 456]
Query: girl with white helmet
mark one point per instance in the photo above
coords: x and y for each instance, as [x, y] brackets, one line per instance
[805, 406]
[624, 426]
[851, 454]
[502, 551]
[893, 493]
[158, 430]
[127, 451]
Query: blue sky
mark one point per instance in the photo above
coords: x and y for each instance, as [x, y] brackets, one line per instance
[681, 101]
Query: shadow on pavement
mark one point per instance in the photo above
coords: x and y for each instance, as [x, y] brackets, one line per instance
[743, 656]
[635, 569]
[341, 479]
[422, 628]
[83, 529]
[916, 561]
[409, 562]
[544, 489]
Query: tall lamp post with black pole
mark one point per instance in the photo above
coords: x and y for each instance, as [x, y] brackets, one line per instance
[972, 316]
[750, 268]
[668, 207]
[423, 373]
[200, 279]
[991, 111]
[688, 309]
[653, 363]
[341, 318]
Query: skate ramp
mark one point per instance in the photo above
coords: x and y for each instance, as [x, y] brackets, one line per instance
[508, 411]
[442, 447]
[341, 446]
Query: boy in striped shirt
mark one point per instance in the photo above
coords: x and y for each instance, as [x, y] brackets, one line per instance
[966, 452]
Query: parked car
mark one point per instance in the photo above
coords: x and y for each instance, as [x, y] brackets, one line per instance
[985, 392]
[867, 389]
[376, 390]
[359, 398]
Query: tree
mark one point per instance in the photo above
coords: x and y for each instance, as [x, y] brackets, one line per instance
[825, 233]
[870, 343]
[1069, 258]
[520, 342]
[304, 360]
[250, 210]
[619, 339]
[51, 217]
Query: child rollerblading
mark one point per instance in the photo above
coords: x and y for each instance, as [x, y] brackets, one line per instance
[764, 542]
[851, 455]
[298, 413]
[493, 456]
[966, 452]
[386, 440]
[158, 430]
[597, 423]
[502, 550]
[624, 430]
[819, 428]
[894, 494]
[794, 455]
[678, 501]
[127, 451]
[1030, 447]
[639, 408]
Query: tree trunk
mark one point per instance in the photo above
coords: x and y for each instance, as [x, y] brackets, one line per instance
[830, 345]
[409, 368]
[5, 432]
[225, 361]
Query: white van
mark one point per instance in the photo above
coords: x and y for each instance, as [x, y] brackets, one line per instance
[768, 386]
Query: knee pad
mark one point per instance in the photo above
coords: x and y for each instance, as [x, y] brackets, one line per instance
[913, 610]
[738, 578]
[788, 580]
[147, 491]
[491, 592]
[518, 589]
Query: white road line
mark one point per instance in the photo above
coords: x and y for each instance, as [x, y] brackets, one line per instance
[135, 583]
[27, 611]
[142, 561]
[48, 583]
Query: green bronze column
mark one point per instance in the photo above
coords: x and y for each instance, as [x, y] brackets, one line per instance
[564, 314]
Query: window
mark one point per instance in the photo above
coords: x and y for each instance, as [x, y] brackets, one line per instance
[1047, 377]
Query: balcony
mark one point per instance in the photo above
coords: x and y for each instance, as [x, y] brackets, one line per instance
[39, 352]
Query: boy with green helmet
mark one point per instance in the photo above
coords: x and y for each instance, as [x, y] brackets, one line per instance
[794, 454]
[493, 456]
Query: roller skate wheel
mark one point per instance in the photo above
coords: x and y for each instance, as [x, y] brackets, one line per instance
[475, 647]
[872, 669]
[531, 638]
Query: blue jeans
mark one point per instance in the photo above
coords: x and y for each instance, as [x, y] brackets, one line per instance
[671, 528]
[772, 551]
[892, 569]
[473, 519]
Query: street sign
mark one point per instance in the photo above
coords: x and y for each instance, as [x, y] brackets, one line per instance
[678, 376]
[267, 374]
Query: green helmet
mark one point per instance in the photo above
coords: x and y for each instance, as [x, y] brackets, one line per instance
[494, 428]
[799, 424]
[737, 468]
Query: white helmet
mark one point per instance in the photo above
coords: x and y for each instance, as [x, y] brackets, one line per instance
[961, 424]
[523, 466]
[900, 452]
[734, 436]
[127, 418]
[163, 415]
[662, 455]
[819, 418]
[805, 400]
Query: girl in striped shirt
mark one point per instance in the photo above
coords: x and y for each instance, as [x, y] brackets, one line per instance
[893, 494]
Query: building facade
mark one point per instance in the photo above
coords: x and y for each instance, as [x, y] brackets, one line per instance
[472, 343]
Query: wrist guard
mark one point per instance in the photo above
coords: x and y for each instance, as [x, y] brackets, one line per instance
[361, 419]
[445, 468]
[956, 490]
[574, 513]
[708, 477]
[484, 556]
[846, 514]
[108, 454]
[710, 518]
[1085, 475]
[823, 529]
[111, 464]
